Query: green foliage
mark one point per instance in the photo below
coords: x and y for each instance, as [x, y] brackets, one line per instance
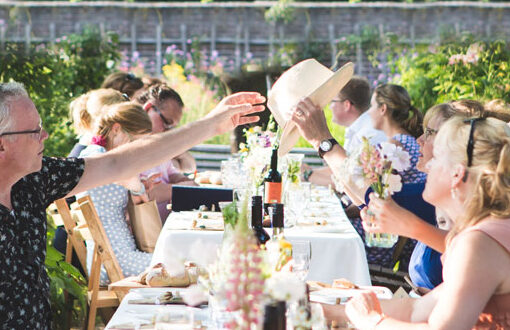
[55, 75]
[456, 70]
[64, 277]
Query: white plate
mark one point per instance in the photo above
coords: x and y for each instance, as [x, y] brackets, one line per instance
[149, 293]
[330, 295]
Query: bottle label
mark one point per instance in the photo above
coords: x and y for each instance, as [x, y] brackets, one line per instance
[273, 192]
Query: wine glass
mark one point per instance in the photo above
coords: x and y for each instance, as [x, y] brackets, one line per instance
[174, 318]
[301, 257]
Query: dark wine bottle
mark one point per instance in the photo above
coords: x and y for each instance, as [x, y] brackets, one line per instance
[273, 181]
[256, 220]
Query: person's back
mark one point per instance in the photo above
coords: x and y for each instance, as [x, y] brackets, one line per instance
[120, 124]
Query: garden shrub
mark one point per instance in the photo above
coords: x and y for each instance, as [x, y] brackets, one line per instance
[457, 70]
[54, 75]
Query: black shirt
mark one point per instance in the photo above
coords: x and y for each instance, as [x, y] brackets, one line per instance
[24, 282]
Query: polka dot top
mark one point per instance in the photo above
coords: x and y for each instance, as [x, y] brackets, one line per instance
[111, 204]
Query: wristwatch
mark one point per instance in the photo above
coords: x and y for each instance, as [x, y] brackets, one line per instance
[325, 146]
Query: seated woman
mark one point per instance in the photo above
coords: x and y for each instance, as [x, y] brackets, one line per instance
[164, 107]
[124, 82]
[121, 123]
[391, 218]
[85, 109]
[391, 111]
[468, 178]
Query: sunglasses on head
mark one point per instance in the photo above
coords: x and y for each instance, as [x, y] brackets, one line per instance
[471, 143]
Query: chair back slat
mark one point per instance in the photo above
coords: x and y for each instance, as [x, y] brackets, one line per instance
[103, 246]
[70, 224]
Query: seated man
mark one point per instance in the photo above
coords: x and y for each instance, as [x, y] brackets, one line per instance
[29, 182]
[349, 110]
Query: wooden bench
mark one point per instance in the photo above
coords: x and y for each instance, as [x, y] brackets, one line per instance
[209, 156]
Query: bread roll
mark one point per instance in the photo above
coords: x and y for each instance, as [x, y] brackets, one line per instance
[343, 283]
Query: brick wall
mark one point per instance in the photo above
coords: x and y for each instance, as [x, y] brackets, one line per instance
[242, 26]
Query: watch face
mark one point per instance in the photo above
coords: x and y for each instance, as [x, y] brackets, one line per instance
[326, 145]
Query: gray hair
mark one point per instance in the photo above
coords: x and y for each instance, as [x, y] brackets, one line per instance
[7, 91]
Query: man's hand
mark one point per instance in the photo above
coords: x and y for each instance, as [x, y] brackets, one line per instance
[311, 122]
[232, 111]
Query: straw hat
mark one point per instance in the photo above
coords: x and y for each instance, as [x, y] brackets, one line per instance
[309, 79]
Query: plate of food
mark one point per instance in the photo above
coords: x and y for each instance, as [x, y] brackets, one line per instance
[342, 290]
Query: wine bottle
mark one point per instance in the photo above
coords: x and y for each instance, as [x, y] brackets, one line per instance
[273, 181]
[256, 220]
[278, 243]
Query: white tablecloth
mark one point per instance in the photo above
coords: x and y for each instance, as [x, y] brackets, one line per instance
[135, 315]
[337, 251]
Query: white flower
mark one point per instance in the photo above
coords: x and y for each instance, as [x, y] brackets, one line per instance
[394, 182]
[399, 158]
[285, 286]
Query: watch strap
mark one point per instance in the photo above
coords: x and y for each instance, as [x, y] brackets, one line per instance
[323, 152]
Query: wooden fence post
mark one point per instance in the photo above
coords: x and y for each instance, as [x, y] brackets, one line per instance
[158, 49]
[246, 40]
[3, 29]
[184, 41]
[359, 51]
[52, 33]
[213, 37]
[237, 49]
[133, 38]
[28, 30]
[412, 33]
[332, 44]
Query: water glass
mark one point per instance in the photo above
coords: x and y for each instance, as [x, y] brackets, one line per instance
[231, 172]
[301, 257]
[173, 317]
[381, 240]
[297, 197]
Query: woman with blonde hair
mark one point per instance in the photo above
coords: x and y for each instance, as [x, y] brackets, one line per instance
[120, 124]
[86, 109]
[468, 178]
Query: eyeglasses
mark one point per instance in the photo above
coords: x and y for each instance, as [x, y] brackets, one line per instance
[37, 131]
[429, 132]
[130, 76]
[471, 143]
[339, 100]
[166, 124]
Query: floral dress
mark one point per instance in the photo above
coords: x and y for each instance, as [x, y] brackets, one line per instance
[111, 204]
[384, 256]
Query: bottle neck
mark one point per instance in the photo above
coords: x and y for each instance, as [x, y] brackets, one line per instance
[274, 160]
[256, 211]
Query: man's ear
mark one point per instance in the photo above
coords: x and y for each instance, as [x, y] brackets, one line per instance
[383, 108]
[2, 148]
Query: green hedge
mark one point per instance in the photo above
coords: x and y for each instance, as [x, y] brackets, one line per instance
[53, 76]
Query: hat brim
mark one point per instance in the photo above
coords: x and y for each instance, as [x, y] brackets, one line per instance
[321, 96]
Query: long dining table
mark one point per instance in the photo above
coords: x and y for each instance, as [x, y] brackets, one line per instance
[337, 251]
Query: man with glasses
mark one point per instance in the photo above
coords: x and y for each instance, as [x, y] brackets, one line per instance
[349, 110]
[29, 182]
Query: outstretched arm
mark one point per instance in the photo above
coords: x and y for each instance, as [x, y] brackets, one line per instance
[130, 159]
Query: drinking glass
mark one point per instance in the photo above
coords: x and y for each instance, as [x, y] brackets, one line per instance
[232, 173]
[297, 198]
[301, 257]
[381, 240]
[173, 317]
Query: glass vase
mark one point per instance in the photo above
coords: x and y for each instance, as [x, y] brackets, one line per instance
[381, 240]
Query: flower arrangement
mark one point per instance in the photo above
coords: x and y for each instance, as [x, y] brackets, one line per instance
[256, 153]
[378, 167]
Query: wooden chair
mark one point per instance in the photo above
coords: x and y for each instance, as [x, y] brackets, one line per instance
[75, 239]
[103, 256]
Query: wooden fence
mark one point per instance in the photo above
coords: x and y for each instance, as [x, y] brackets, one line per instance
[241, 45]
